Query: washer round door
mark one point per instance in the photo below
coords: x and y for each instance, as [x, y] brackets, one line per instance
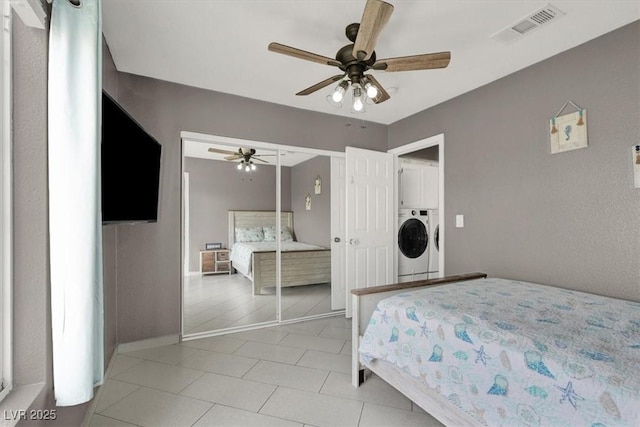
[413, 238]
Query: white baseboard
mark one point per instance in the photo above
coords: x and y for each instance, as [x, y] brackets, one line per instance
[193, 273]
[148, 343]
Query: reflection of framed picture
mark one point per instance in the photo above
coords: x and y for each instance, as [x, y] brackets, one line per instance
[211, 246]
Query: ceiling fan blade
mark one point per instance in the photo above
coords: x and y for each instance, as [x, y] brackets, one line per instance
[263, 155]
[428, 61]
[375, 16]
[383, 95]
[234, 157]
[217, 150]
[260, 160]
[302, 54]
[320, 85]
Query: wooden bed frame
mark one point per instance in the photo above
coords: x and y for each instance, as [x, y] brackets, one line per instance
[364, 302]
[297, 268]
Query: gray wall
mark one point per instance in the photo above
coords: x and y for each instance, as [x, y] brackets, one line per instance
[109, 232]
[312, 226]
[31, 294]
[569, 219]
[148, 255]
[216, 187]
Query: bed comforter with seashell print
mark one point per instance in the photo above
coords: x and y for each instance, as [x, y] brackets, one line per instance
[515, 353]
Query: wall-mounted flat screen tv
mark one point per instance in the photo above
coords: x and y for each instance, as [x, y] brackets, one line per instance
[130, 168]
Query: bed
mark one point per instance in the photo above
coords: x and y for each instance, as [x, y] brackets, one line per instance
[476, 351]
[253, 252]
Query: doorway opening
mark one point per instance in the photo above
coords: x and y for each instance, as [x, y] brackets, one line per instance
[419, 188]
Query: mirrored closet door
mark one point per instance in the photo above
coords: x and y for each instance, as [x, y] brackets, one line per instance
[263, 237]
[306, 258]
[229, 197]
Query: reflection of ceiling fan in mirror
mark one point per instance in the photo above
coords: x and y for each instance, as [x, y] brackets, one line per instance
[245, 155]
[355, 59]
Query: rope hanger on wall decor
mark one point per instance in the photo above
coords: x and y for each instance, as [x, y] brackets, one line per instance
[580, 122]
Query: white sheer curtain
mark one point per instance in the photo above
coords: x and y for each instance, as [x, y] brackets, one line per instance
[75, 96]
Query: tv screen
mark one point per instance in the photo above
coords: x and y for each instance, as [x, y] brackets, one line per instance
[130, 168]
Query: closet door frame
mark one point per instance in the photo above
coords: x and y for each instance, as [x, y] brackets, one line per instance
[279, 150]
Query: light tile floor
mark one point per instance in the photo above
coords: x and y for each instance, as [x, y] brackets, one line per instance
[290, 375]
[214, 302]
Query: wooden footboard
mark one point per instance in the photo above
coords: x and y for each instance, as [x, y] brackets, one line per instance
[364, 302]
[433, 403]
[298, 268]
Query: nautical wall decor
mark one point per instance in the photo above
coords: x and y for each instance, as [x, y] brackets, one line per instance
[568, 132]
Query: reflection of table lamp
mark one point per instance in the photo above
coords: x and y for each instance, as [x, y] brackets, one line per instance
[318, 185]
[307, 201]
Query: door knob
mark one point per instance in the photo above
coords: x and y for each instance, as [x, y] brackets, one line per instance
[336, 239]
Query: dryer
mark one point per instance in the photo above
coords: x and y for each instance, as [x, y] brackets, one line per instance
[434, 243]
[413, 244]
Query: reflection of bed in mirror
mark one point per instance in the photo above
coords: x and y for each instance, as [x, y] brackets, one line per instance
[253, 245]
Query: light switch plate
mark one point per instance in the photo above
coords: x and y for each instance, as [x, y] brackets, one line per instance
[459, 221]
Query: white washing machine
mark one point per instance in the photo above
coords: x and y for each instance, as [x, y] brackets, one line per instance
[434, 243]
[413, 245]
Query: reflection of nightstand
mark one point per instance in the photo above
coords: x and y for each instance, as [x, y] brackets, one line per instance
[215, 261]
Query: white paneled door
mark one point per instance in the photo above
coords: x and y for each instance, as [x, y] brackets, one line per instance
[370, 228]
[338, 233]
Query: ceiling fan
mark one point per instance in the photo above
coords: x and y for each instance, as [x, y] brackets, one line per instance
[356, 58]
[245, 155]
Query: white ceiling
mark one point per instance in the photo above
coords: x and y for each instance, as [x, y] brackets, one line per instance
[200, 150]
[222, 45]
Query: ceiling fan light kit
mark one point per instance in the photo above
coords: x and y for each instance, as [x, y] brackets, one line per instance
[358, 102]
[360, 56]
[338, 93]
[247, 166]
[245, 155]
[372, 91]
